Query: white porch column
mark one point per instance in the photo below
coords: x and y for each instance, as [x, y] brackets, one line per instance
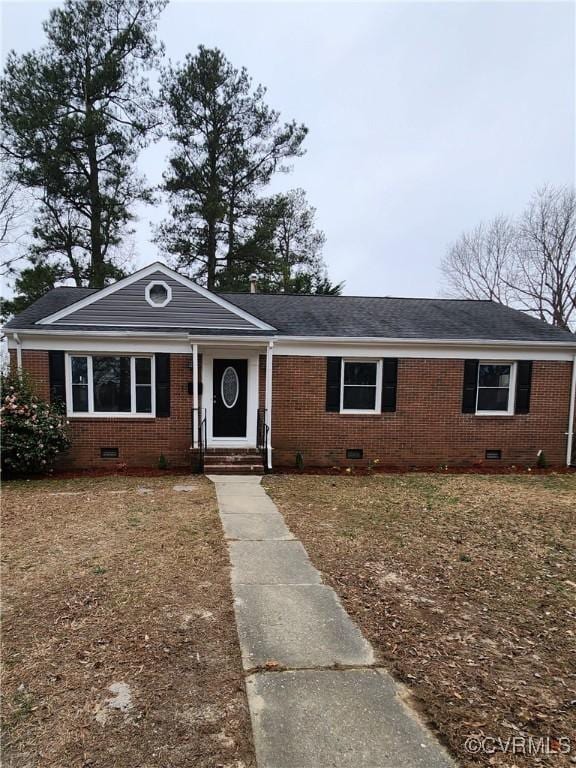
[268, 402]
[195, 395]
[18, 352]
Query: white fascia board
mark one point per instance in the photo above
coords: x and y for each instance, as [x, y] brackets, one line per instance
[52, 339]
[58, 338]
[122, 341]
[423, 348]
[373, 340]
[146, 272]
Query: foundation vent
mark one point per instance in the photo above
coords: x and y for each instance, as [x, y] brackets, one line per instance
[109, 453]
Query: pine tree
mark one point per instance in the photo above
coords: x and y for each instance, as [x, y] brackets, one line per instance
[74, 116]
[284, 249]
[227, 145]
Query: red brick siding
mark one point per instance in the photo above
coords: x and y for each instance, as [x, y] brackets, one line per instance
[428, 427]
[36, 366]
[140, 441]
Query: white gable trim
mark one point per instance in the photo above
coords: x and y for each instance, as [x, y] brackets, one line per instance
[146, 272]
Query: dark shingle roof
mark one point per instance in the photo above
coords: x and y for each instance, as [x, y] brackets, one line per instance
[51, 302]
[362, 316]
[348, 316]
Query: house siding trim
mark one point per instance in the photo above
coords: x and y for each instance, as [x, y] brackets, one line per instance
[180, 342]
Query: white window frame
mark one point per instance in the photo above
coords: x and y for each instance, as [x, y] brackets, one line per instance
[91, 413]
[168, 298]
[377, 400]
[511, 388]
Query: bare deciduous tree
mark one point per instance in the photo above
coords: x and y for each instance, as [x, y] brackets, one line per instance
[478, 265]
[529, 263]
[545, 264]
[15, 207]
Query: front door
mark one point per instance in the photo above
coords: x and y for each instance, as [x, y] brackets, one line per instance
[230, 396]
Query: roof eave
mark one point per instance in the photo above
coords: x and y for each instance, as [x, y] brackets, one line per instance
[275, 336]
[374, 340]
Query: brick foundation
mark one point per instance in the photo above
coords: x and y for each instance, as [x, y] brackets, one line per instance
[428, 428]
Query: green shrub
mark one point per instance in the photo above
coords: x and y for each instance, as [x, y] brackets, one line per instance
[162, 462]
[33, 431]
[299, 461]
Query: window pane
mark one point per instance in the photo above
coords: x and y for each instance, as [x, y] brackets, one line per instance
[144, 399]
[111, 384]
[360, 398]
[494, 376]
[143, 370]
[79, 397]
[79, 370]
[495, 399]
[359, 373]
[158, 294]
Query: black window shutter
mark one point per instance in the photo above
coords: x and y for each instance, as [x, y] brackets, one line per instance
[389, 384]
[56, 372]
[470, 386]
[162, 384]
[333, 374]
[523, 386]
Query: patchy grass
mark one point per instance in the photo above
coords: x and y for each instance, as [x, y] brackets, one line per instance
[465, 585]
[105, 585]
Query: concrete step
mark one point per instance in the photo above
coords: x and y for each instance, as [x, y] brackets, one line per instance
[254, 468]
[233, 458]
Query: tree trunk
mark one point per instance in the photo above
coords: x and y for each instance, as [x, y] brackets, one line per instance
[211, 277]
[231, 233]
[97, 273]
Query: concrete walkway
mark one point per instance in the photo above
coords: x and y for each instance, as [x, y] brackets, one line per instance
[317, 698]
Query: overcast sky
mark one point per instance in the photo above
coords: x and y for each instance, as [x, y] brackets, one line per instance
[424, 117]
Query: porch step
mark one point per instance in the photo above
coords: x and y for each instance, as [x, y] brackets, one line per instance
[232, 458]
[232, 461]
[233, 469]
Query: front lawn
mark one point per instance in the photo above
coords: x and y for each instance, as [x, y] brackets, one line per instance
[465, 585]
[119, 642]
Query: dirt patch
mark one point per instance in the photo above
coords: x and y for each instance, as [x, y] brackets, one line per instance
[119, 641]
[465, 587]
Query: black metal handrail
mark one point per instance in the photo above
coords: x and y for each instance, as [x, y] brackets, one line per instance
[202, 435]
[262, 432]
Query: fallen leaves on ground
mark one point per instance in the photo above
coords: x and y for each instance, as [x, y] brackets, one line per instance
[119, 642]
[465, 587]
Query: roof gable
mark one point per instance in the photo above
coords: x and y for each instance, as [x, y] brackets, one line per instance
[125, 304]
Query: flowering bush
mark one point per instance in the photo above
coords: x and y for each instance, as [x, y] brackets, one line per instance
[33, 431]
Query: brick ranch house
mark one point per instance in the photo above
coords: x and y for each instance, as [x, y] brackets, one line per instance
[155, 364]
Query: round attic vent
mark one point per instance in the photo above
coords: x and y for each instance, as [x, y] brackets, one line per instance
[158, 294]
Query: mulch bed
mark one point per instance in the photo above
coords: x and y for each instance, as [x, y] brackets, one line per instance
[107, 584]
[379, 469]
[466, 587]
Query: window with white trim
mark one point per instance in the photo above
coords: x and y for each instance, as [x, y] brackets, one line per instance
[158, 293]
[361, 385]
[495, 392]
[110, 385]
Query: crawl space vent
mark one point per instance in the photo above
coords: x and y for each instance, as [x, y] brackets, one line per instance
[494, 454]
[108, 453]
[354, 453]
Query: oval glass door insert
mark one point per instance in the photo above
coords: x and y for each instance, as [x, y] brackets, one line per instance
[230, 387]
